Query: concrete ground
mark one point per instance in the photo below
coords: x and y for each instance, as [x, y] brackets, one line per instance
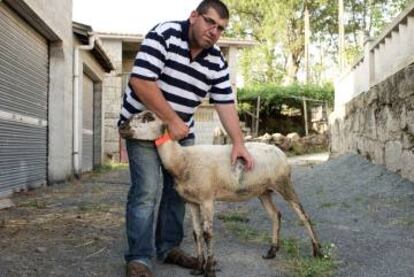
[78, 229]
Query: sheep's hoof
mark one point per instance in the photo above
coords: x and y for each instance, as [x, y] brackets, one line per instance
[317, 253]
[197, 272]
[271, 254]
[210, 274]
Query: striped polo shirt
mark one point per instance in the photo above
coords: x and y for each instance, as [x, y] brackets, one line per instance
[164, 57]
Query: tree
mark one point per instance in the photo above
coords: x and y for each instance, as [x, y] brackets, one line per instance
[278, 27]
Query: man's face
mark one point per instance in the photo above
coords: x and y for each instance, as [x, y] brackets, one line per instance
[207, 28]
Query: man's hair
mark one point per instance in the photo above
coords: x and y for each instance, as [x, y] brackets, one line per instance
[217, 5]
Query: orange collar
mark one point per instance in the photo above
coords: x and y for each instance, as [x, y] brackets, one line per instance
[162, 139]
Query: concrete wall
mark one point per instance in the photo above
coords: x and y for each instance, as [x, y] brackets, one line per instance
[206, 121]
[112, 87]
[379, 124]
[58, 17]
[90, 66]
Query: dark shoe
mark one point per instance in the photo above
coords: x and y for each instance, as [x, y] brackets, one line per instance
[137, 269]
[179, 257]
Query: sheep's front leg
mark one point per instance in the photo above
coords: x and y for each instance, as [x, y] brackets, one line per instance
[207, 212]
[275, 215]
[198, 238]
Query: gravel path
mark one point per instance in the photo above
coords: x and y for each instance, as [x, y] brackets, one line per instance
[77, 229]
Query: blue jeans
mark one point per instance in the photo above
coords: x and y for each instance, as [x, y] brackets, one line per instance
[146, 172]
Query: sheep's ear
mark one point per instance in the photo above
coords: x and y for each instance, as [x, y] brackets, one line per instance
[164, 128]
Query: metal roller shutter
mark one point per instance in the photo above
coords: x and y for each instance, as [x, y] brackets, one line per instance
[24, 70]
[87, 124]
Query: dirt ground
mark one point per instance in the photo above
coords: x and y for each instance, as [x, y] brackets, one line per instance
[77, 229]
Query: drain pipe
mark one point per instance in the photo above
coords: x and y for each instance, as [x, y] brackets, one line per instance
[76, 133]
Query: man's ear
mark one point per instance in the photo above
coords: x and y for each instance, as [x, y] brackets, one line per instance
[193, 16]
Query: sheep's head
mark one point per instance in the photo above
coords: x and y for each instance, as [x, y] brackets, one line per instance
[146, 126]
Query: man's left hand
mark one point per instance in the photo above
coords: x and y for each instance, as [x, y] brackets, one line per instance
[240, 151]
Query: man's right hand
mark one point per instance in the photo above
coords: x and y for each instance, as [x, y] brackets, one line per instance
[177, 129]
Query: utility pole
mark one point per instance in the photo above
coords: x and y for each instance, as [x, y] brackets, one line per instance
[341, 58]
[307, 43]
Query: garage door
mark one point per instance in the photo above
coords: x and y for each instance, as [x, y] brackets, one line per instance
[87, 124]
[23, 104]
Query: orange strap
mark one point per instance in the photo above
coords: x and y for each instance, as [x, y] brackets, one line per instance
[162, 139]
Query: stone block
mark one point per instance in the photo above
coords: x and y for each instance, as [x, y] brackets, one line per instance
[379, 153]
[407, 161]
[407, 140]
[393, 151]
[370, 124]
[406, 85]
[410, 118]
[392, 123]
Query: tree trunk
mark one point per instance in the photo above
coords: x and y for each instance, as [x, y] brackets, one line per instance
[292, 69]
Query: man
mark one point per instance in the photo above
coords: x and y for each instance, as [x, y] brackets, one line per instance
[177, 66]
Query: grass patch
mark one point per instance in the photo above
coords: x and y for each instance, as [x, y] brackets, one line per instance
[301, 264]
[235, 222]
[38, 204]
[234, 216]
[327, 205]
[93, 208]
[108, 166]
[295, 258]
[403, 221]
[244, 232]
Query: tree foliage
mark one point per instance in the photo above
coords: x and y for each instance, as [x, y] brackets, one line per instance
[274, 96]
[278, 27]
[277, 103]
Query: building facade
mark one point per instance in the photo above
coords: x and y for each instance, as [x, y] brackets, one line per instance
[37, 42]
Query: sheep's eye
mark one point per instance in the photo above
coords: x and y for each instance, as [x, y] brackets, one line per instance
[148, 117]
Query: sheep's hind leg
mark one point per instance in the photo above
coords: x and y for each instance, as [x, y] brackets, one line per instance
[291, 197]
[198, 238]
[207, 213]
[275, 215]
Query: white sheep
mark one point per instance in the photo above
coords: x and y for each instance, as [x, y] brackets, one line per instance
[204, 174]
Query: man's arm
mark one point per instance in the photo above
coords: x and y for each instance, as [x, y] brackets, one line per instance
[230, 120]
[151, 96]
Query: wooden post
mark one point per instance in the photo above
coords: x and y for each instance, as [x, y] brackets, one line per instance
[257, 116]
[305, 115]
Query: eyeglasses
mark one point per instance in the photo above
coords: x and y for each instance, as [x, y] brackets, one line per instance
[211, 23]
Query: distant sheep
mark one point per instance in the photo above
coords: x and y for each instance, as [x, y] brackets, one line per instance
[204, 174]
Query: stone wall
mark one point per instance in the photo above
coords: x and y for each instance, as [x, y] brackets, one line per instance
[379, 124]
